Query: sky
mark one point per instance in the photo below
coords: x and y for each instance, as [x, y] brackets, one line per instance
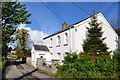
[44, 22]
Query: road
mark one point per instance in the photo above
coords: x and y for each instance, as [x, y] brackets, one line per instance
[17, 70]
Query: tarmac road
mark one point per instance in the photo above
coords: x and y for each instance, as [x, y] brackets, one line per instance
[16, 70]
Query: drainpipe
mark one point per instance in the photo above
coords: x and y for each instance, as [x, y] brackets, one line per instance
[70, 39]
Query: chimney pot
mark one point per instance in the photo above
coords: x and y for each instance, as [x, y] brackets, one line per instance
[64, 25]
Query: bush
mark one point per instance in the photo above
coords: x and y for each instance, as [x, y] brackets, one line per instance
[2, 63]
[82, 67]
[14, 56]
[70, 58]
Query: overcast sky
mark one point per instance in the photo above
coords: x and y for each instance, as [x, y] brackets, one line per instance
[44, 22]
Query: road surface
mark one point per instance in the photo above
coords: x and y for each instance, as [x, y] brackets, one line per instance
[17, 70]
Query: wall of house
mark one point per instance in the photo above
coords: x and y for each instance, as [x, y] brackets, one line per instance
[39, 54]
[108, 32]
[58, 52]
[77, 35]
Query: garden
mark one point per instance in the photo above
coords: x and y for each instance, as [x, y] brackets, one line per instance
[82, 66]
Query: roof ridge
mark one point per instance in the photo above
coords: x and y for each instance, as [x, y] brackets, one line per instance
[70, 26]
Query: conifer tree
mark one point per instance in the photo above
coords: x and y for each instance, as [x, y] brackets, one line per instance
[94, 42]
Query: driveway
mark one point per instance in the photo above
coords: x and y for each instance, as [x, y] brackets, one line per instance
[20, 71]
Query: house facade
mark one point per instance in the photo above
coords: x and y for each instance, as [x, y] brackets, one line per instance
[39, 51]
[71, 38]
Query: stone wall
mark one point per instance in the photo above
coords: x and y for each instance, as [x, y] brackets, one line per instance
[41, 64]
[28, 60]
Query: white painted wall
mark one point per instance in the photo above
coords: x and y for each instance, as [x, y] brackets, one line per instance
[109, 33]
[37, 54]
[76, 36]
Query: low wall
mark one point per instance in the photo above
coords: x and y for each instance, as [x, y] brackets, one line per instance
[28, 60]
[41, 64]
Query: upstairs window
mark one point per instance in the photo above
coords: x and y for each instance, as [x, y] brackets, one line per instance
[51, 42]
[59, 41]
[66, 39]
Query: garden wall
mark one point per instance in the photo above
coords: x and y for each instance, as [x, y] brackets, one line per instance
[28, 60]
[41, 64]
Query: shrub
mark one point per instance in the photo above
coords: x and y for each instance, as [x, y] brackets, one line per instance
[70, 58]
[15, 56]
[2, 63]
[82, 67]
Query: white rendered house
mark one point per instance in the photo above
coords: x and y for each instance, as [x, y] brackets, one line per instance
[70, 38]
[39, 51]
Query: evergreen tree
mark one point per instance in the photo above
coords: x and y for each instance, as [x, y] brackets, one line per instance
[13, 14]
[94, 41]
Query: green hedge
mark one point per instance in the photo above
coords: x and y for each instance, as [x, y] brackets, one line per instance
[82, 67]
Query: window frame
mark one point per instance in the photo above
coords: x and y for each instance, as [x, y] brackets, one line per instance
[51, 40]
[66, 39]
[58, 41]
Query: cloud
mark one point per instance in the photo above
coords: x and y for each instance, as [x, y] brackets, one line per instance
[35, 35]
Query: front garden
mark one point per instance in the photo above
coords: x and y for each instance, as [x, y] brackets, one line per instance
[82, 66]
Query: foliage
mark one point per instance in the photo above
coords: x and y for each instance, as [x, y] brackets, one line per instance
[70, 58]
[94, 41]
[14, 56]
[29, 51]
[104, 67]
[13, 14]
[2, 63]
[95, 63]
[23, 42]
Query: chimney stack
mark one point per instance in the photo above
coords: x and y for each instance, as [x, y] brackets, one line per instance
[64, 25]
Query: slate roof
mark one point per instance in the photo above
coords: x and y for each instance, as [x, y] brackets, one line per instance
[41, 47]
[71, 26]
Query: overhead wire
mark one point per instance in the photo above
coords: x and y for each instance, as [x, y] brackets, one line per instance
[61, 17]
[81, 8]
[52, 11]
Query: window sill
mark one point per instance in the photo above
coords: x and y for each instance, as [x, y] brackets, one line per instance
[65, 44]
[50, 47]
[58, 46]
